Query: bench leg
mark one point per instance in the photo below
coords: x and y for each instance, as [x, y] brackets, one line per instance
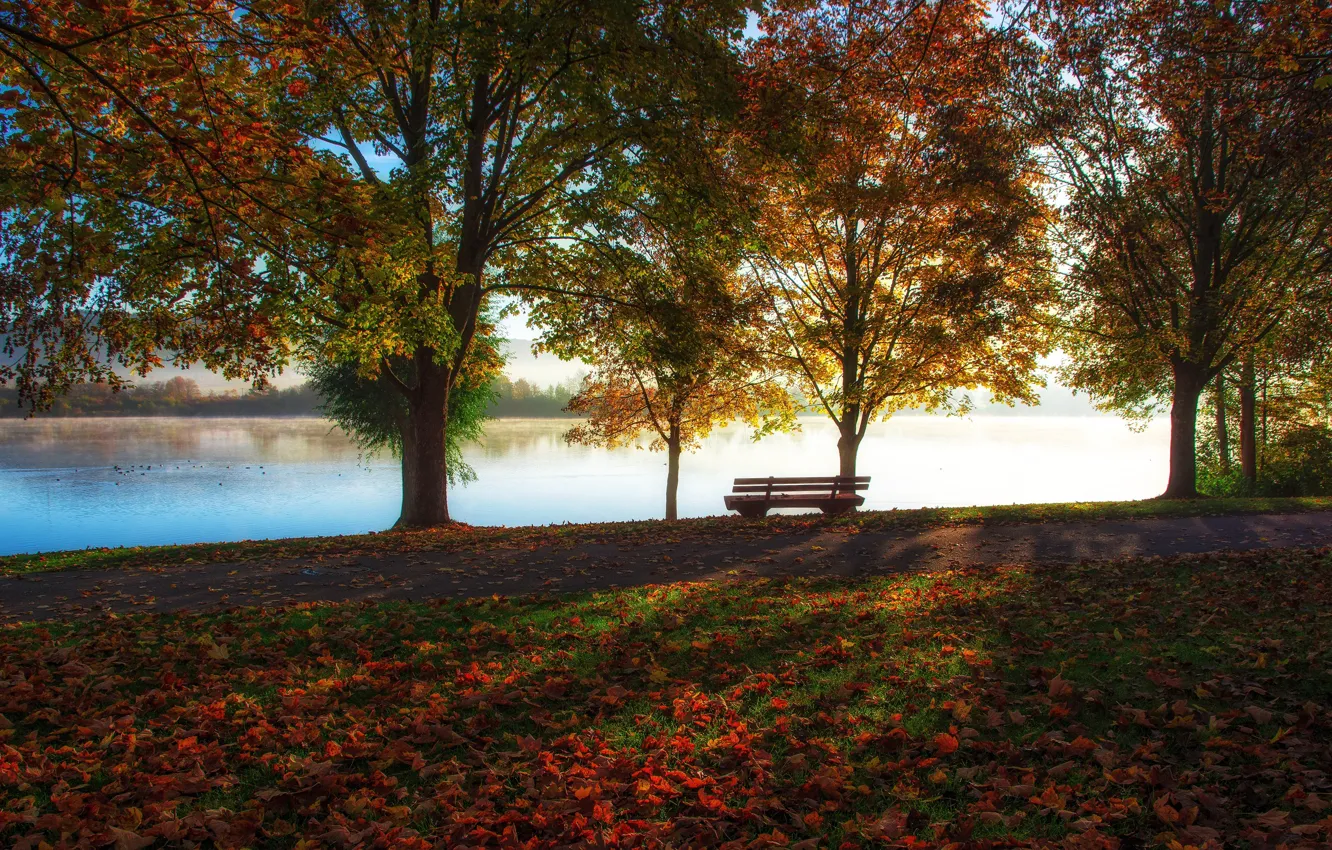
[837, 510]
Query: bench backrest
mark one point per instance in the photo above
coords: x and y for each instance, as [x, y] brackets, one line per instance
[832, 484]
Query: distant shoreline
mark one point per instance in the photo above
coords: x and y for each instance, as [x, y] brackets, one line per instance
[181, 397]
[1021, 413]
[49, 416]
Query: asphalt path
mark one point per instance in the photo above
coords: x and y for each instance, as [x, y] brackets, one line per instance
[513, 572]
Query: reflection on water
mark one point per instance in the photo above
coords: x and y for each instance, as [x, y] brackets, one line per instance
[71, 483]
[68, 443]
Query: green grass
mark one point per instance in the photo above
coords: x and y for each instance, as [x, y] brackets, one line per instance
[469, 538]
[1158, 702]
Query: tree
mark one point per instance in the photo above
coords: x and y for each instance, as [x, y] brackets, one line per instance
[139, 188]
[499, 117]
[376, 416]
[1287, 427]
[1191, 142]
[1222, 426]
[675, 373]
[181, 390]
[900, 234]
[1281, 384]
[672, 337]
[495, 117]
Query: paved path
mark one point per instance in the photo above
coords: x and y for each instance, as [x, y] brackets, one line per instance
[511, 572]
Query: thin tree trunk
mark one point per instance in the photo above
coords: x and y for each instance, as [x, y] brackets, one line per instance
[1248, 424]
[1222, 431]
[848, 445]
[672, 471]
[1263, 415]
[409, 463]
[848, 442]
[1183, 483]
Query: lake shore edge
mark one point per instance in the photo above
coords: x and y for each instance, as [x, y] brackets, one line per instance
[462, 537]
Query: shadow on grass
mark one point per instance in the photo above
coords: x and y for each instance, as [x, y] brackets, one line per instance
[464, 538]
[1101, 702]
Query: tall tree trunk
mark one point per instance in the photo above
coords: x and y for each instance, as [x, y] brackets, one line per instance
[672, 471]
[1183, 483]
[1222, 431]
[1248, 423]
[426, 503]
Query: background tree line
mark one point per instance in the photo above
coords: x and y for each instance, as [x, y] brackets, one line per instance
[873, 203]
[181, 396]
[177, 396]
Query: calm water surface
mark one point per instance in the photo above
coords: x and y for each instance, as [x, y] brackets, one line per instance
[72, 483]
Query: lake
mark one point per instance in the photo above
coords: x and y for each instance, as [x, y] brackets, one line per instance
[75, 483]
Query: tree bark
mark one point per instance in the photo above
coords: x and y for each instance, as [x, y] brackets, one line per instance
[409, 464]
[848, 445]
[672, 471]
[425, 498]
[426, 504]
[1183, 483]
[1248, 423]
[1222, 431]
[853, 378]
[425, 478]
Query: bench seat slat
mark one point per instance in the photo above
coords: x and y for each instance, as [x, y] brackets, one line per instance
[833, 494]
[798, 488]
[781, 497]
[816, 479]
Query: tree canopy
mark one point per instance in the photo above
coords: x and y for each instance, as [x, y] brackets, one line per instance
[873, 204]
[493, 120]
[674, 337]
[899, 243]
[142, 182]
[1191, 142]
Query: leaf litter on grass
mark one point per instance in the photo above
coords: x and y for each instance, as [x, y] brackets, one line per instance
[1179, 702]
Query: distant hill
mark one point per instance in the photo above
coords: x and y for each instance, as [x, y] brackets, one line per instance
[177, 396]
[182, 396]
[542, 371]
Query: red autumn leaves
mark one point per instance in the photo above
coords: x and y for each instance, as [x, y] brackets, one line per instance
[1071, 708]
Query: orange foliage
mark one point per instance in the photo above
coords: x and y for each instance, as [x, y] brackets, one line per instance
[900, 247]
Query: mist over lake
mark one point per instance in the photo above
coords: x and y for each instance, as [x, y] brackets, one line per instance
[76, 483]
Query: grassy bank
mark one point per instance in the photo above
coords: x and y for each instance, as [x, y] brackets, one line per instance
[1174, 703]
[467, 538]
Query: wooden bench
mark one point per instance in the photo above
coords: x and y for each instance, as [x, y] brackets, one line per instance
[833, 494]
